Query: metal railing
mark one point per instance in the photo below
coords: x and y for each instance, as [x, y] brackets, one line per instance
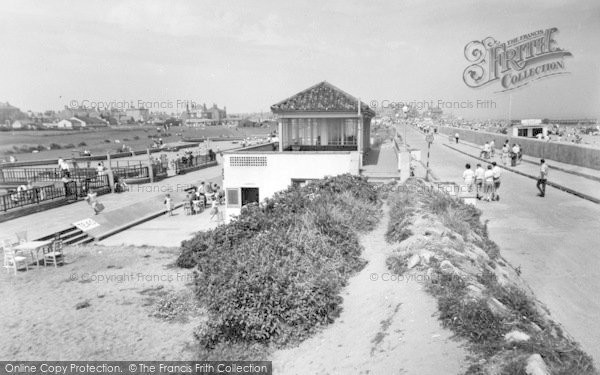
[39, 195]
[186, 163]
[22, 175]
[131, 171]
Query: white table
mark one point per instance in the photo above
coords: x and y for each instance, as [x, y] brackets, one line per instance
[32, 246]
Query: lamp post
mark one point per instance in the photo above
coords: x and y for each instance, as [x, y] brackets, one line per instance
[405, 110]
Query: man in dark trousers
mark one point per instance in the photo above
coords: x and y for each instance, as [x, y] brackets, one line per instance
[541, 183]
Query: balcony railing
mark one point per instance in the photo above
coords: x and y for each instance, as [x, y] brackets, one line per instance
[321, 148]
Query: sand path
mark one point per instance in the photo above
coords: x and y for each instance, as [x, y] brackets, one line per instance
[386, 327]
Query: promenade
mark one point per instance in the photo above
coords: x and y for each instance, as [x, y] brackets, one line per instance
[581, 180]
[47, 222]
[553, 239]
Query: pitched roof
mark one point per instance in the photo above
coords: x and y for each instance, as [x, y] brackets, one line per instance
[322, 97]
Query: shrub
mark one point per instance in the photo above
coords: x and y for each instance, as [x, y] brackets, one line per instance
[136, 138]
[107, 141]
[396, 264]
[55, 146]
[70, 145]
[401, 212]
[273, 274]
[82, 144]
[174, 307]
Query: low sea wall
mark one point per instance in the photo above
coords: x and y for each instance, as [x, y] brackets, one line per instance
[581, 155]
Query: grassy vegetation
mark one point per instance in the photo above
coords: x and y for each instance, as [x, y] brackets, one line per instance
[273, 276]
[473, 318]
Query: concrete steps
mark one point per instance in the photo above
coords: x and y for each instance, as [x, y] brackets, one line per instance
[70, 236]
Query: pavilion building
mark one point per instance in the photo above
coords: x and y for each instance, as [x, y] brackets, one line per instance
[323, 131]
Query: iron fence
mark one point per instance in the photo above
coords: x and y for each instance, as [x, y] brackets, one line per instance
[189, 162]
[23, 175]
[71, 190]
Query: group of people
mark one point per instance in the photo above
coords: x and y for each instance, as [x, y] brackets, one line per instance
[485, 182]
[27, 193]
[202, 193]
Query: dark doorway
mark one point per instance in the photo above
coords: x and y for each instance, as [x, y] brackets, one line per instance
[249, 195]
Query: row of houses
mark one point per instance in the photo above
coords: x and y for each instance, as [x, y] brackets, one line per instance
[71, 123]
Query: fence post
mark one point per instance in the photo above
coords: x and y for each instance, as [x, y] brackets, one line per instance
[109, 172]
[150, 170]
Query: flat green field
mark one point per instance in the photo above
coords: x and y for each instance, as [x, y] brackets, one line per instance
[66, 143]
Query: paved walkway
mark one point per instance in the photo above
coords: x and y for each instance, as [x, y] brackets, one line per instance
[47, 222]
[554, 240]
[165, 230]
[382, 162]
[584, 180]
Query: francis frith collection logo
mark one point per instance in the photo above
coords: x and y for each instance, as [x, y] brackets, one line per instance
[514, 63]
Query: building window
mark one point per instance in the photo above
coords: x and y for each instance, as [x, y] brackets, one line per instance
[522, 132]
[233, 198]
[536, 131]
[250, 195]
[248, 161]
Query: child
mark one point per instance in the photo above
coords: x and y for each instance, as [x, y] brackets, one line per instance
[214, 211]
[92, 199]
[169, 204]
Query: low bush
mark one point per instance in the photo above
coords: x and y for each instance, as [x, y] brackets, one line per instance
[82, 144]
[70, 145]
[136, 138]
[273, 274]
[107, 141]
[55, 146]
[174, 307]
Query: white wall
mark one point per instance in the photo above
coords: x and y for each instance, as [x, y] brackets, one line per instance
[282, 167]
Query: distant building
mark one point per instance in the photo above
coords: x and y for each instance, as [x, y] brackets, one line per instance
[64, 124]
[530, 131]
[89, 122]
[204, 116]
[10, 113]
[138, 114]
[80, 111]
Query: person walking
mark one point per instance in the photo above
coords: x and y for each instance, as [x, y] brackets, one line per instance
[456, 136]
[513, 156]
[519, 154]
[485, 151]
[543, 179]
[497, 173]
[169, 204]
[492, 148]
[468, 177]
[479, 176]
[214, 211]
[505, 154]
[92, 200]
[488, 181]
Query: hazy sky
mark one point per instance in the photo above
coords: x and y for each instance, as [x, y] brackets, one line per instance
[248, 55]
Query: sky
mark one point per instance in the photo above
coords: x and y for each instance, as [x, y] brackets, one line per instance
[248, 55]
